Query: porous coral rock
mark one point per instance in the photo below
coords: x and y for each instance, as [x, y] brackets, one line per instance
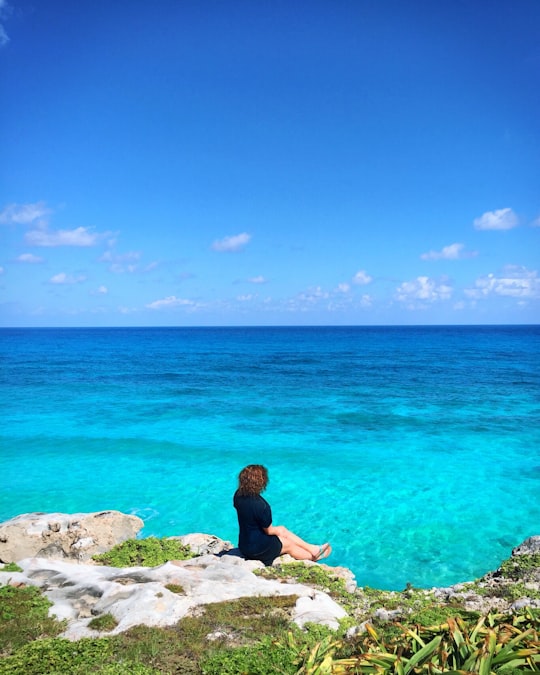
[76, 536]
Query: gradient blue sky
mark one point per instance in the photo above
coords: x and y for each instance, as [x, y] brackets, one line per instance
[254, 162]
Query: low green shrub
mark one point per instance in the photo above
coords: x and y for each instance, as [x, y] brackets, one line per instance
[11, 567]
[149, 552]
[105, 622]
[519, 567]
[311, 575]
[260, 659]
[24, 616]
[437, 614]
[59, 656]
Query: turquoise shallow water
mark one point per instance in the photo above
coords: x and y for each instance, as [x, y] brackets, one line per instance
[415, 451]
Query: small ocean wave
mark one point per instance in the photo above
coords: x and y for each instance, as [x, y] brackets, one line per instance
[145, 513]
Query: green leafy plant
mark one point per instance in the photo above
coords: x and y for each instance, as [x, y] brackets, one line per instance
[295, 652]
[313, 659]
[11, 567]
[489, 645]
[149, 552]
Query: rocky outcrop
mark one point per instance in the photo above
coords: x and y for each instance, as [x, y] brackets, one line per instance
[529, 547]
[203, 544]
[53, 551]
[159, 596]
[75, 537]
[512, 587]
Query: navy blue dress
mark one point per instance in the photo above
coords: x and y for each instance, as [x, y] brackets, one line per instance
[254, 514]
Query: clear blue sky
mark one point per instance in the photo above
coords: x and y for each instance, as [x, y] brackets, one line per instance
[286, 162]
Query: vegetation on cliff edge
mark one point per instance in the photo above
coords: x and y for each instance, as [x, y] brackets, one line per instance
[406, 632]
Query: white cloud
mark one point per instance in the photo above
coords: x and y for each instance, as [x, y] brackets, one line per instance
[366, 301]
[415, 294]
[536, 222]
[109, 256]
[24, 214]
[171, 301]
[121, 262]
[80, 236]
[103, 290]
[63, 278]
[30, 258]
[233, 243]
[36, 215]
[501, 219]
[1, 270]
[362, 278]
[4, 9]
[258, 280]
[314, 295]
[513, 281]
[339, 299]
[451, 252]
[246, 298]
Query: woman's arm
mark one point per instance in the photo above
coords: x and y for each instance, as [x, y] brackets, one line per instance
[278, 530]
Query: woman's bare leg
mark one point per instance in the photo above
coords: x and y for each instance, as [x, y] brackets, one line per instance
[298, 548]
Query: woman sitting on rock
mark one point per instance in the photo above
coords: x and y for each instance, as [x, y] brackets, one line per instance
[259, 539]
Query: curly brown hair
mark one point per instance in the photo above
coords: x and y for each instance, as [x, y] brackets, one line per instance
[252, 480]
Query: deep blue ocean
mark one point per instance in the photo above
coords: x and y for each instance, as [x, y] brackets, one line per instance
[414, 450]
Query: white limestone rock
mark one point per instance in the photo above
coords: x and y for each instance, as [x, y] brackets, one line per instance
[76, 536]
[139, 595]
[528, 547]
[201, 544]
[318, 608]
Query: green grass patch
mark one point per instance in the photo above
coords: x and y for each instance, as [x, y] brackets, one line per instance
[11, 567]
[311, 575]
[295, 652]
[146, 650]
[183, 648]
[24, 617]
[434, 615]
[105, 622]
[149, 552]
[61, 656]
[520, 567]
[512, 592]
[511, 581]
[175, 588]
[254, 635]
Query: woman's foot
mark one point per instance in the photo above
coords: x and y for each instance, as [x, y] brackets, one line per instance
[322, 552]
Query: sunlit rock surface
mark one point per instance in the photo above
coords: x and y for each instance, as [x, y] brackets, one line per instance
[76, 536]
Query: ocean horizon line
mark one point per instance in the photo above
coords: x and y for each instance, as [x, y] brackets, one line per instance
[243, 326]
